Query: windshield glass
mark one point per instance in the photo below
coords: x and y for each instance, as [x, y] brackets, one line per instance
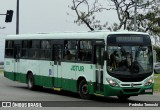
[129, 60]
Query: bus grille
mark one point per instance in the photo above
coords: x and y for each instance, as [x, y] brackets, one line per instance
[131, 90]
[132, 79]
[130, 85]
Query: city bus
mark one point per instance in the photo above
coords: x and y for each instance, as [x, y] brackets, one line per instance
[97, 63]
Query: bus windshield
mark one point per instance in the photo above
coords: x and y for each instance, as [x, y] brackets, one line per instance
[127, 60]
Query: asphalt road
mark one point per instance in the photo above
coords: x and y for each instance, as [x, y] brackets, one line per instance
[15, 91]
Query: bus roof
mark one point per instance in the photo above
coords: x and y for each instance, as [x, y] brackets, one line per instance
[70, 35]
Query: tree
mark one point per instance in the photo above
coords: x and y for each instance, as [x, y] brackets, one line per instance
[157, 49]
[147, 19]
[86, 13]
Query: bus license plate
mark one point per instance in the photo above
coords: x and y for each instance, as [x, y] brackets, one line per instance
[148, 90]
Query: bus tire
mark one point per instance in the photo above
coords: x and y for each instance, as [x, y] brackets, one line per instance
[125, 97]
[83, 90]
[30, 81]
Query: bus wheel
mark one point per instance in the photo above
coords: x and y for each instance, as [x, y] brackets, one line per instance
[83, 90]
[30, 82]
[125, 97]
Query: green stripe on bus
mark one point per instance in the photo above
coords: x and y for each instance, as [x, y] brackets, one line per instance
[71, 85]
[66, 84]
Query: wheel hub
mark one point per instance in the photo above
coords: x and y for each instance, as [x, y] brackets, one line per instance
[85, 89]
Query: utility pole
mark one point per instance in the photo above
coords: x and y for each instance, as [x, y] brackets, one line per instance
[135, 15]
[17, 18]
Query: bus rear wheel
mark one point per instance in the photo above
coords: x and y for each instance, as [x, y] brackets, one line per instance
[30, 81]
[83, 90]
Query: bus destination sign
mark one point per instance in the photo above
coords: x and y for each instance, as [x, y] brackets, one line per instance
[129, 39]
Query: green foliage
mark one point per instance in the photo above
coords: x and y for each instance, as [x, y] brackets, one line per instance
[157, 83]
[157, 49]
[1, 71]
[147, 19]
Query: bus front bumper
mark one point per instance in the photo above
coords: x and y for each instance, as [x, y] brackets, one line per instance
[131, 91]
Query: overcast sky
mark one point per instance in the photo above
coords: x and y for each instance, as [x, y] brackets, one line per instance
[40, 16]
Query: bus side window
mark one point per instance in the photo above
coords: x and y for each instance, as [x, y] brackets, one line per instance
[70, 50]
[45, 49]
[25, 48]
[85, 51]
[68, 55]
[9, 49]
[34, 49]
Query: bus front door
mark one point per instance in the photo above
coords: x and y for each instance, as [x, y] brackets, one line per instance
[17, 62]
[99, 50]
[57, 66]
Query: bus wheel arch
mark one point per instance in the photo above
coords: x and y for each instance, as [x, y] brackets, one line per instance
[82, 87]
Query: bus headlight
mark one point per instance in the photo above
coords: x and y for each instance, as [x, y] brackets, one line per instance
[112, 82]
[149, 81]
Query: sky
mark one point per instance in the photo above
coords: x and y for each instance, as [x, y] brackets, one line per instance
[38, 16]
[41, 16]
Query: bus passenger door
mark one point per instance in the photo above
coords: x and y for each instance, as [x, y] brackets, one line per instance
[17, 61]
[99, 61]
[57, 65]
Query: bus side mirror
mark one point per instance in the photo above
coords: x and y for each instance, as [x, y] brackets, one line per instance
[105, 55]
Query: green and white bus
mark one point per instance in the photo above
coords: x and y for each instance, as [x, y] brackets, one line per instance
[90, 63]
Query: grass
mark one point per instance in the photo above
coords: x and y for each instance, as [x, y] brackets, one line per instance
[1, 71]
[157, 83]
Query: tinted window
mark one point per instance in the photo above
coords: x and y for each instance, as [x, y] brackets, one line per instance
[9, 49]
[70, 50]
[25, 48]
[9, 44]
[34, 50]
[45, 51]
[85, 51]
[35, 44]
